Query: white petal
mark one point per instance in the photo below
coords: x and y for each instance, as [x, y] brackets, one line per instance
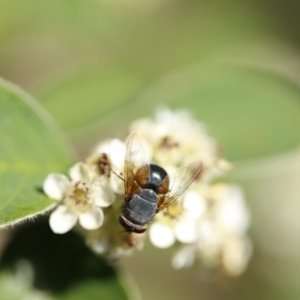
[101, 194]
[194, 204]
[235, 255]
[184, 258]
[92, 219]
[209, 243]
[207, 233]
[186, 231]
[55, 185]
[116, 153]
[117, 185]
[233, 213]
[81, 172]
[161, 236]
[62, 220]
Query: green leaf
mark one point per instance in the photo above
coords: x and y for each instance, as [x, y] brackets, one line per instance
[30, 147]
[58, 267]
[252, 112]
[89, 97]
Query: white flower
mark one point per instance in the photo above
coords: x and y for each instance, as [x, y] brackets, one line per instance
[210, 223]
[222, 230]
[209, 243]
[82, 197]
[232, 212]
[184, 258]
[235, 255]
[180, 222]
[176, 140]
[186, 231]
[194, 204]
[108, 160]
[161, 236]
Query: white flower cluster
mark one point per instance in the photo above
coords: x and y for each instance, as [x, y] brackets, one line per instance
[208, 223]
[218, 235]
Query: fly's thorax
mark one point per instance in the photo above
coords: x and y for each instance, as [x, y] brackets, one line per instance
[158, 180]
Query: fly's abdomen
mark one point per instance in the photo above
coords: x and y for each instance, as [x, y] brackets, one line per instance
[142, 207]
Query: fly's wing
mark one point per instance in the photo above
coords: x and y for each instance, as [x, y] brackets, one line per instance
[179, 182]
[136, 165]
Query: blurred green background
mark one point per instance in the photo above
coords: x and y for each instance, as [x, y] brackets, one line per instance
[98, 65]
